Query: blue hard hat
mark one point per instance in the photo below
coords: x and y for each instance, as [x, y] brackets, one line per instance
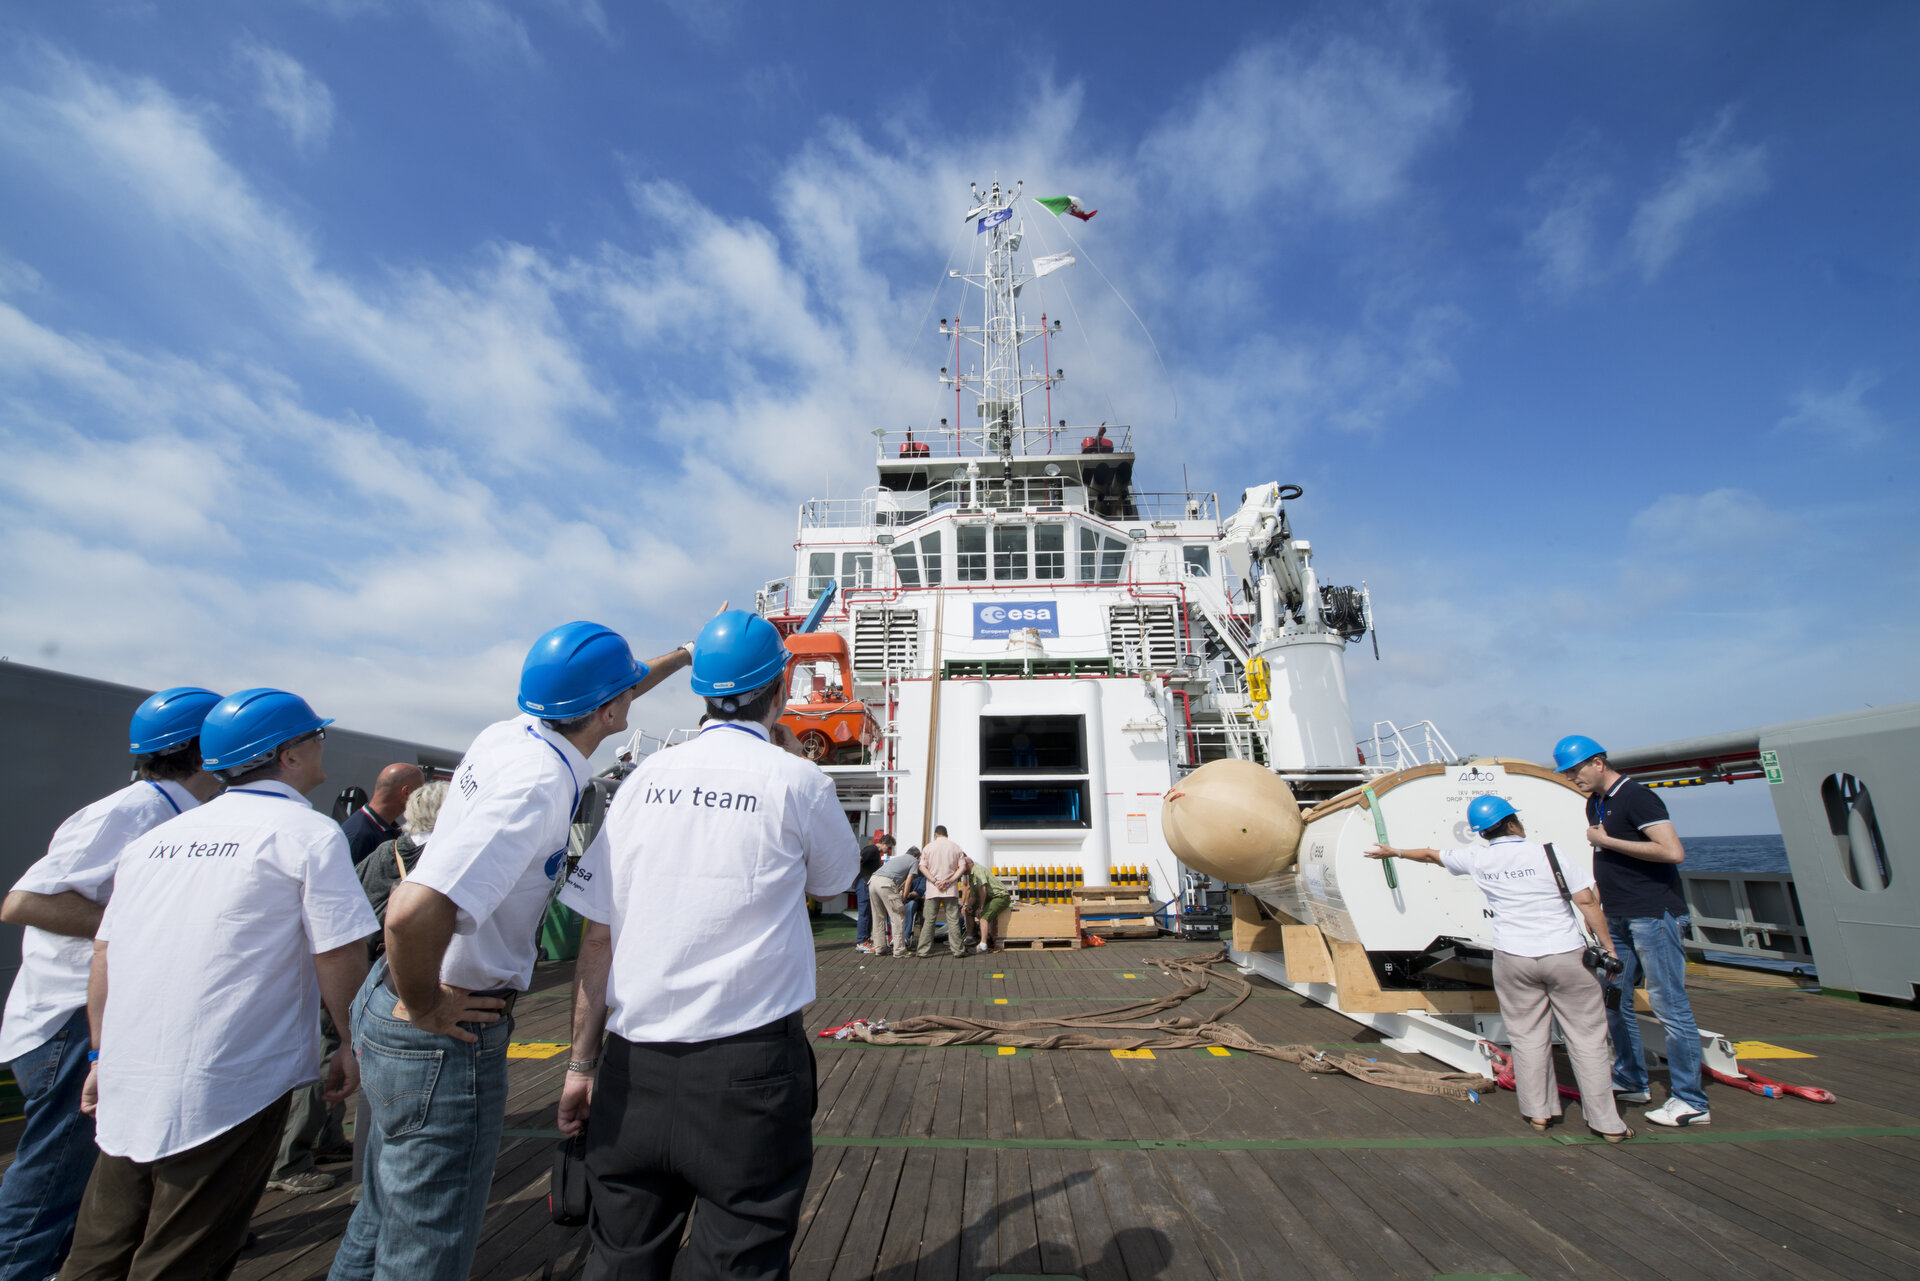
[737, 653]
[1488, 812]
[1573, 750]
[575, 668]
[169, 719]
[248, 725]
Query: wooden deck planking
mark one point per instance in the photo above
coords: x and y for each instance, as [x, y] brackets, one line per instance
[1800, 1204]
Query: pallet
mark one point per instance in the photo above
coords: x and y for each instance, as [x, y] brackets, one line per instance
[1037, 944]
[1104, 900]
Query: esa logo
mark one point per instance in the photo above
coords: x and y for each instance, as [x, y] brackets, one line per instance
[1476, 775]
[994, 615]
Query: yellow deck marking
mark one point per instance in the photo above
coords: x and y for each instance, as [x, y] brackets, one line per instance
[1129, 976]
[1007, 1050]
[535, 1049]
[1767, 1050]
[1220, 1050]
[999, 976]
[1132, 1054]
[999, 1000]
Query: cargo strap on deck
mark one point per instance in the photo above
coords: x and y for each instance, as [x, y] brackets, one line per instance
[1768, 1088]
[1133, 1027]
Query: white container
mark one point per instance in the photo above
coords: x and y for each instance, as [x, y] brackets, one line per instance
[1347, 892]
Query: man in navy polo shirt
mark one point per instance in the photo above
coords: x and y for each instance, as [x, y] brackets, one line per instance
[1636, 863]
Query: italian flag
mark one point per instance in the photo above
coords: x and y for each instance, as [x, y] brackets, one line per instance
[1057, 205]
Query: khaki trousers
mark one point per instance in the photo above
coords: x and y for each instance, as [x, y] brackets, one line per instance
[183, 1216]
[886, 896]
[1534, 991]
[935, 909]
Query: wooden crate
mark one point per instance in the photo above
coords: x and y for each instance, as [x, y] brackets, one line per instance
[1104, 900]
[1022, 923]
[1254, 929]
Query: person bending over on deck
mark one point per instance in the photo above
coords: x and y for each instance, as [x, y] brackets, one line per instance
[228, 929]
[44, 1035]
[1539, 969]
[1636, 862]
[887, 888]
[987, 897]
[433, 1020]
[696, 898]
[871, 857]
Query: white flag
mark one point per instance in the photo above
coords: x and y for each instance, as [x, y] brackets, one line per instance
[1051, 263]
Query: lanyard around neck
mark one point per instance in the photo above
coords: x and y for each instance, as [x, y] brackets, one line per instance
[165, 795]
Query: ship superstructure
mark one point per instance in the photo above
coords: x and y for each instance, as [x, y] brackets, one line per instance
[1044, 647]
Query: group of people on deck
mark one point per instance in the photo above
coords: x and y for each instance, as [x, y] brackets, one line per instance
[901, 897]
[184, 934]
[1551, 919]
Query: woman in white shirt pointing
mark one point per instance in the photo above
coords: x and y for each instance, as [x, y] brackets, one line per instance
[1539, 969]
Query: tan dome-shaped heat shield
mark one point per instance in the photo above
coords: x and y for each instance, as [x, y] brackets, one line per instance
[1233, 820]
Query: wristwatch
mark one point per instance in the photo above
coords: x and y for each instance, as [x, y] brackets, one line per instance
[583, 1065]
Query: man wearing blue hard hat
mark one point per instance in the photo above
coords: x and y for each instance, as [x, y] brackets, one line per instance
[1636, 861]
[434, 1017]
[698, 960]
[229, 927]
[44, 1034]
[1543, 918]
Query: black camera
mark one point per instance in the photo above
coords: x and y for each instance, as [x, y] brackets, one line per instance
[1598, 958]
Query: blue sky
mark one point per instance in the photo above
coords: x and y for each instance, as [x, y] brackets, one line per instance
[345, 345]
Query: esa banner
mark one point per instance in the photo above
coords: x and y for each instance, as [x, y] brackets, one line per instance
[997, 620]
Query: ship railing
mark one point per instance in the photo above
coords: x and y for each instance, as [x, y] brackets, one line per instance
[1746, 914]
[880, 507]
[1394, 748]
[915, 443]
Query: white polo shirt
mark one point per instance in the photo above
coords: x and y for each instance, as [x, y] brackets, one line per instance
[702, 873]
[213, 1006]
[1529, 916]
[52, 982]
[500, 840]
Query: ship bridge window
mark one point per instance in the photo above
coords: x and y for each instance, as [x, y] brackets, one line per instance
[930, 557]
[856, 570]
[1009, 553]
[970, 562]
[1050, 551]
[1033, 772]
[1101, 558]
[819, 573]
[1196, 562]
[905, 565]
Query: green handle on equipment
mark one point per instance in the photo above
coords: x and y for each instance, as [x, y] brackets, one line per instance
[1380, 835]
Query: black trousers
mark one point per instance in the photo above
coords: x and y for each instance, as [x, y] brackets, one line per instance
[726, 1123]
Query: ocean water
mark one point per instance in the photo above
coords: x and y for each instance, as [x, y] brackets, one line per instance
[1735, 854]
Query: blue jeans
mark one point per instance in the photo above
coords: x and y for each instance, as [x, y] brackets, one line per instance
[862, 927]
[438, 1106]
[1652, 944]
[40, 1197]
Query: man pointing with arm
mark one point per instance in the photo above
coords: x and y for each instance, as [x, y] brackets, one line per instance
[433, 1021]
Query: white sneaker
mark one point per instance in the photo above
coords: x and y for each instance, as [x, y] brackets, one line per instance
[1674, 1113]
[866, 949]
[1632, 1096]
[981, 948]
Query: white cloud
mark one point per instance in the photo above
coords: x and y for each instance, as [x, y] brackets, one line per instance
[1334, 127]
[290, 93]
[1693, 525]
[1841, 414]
[1714, 173]
[483, 349]
[1567, 195]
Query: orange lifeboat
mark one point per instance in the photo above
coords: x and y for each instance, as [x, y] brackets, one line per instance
[833, 727]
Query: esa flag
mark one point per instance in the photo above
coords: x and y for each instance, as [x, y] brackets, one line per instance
[994, 219]
[1050, 263]
[1057, 205]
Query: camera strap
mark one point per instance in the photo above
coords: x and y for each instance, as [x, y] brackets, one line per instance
[1566, 896]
